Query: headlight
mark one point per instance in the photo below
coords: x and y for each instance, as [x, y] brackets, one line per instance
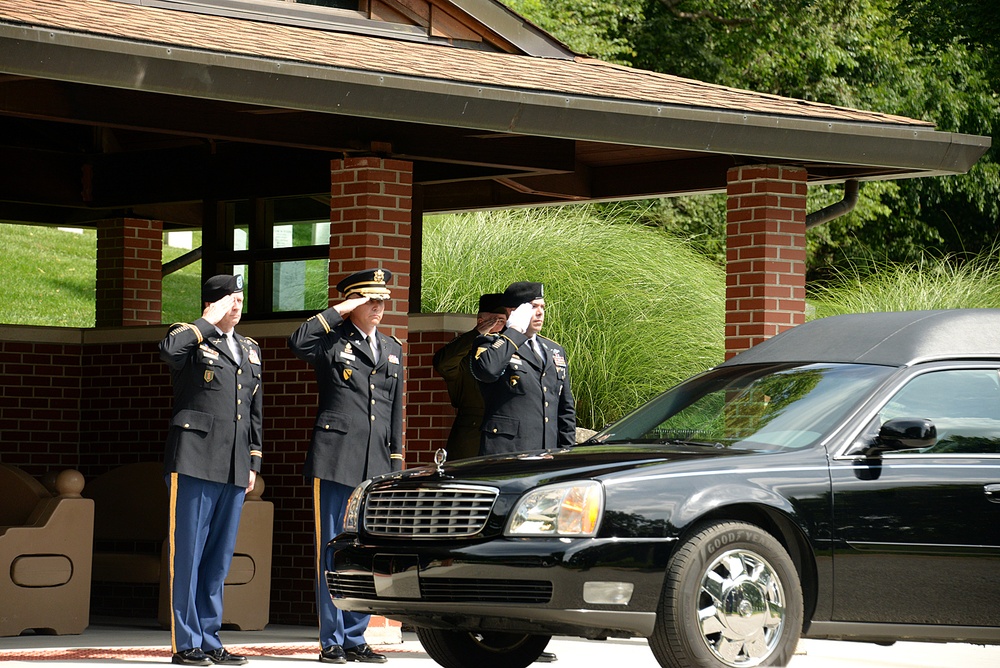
[352, 513]
[572, 509]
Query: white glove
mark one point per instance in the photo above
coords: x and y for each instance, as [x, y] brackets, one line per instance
[520, 318]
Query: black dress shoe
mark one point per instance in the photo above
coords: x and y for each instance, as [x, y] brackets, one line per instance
[221, 657]
[191, 657]
[333, 654]
[364, 654]
[546, 657]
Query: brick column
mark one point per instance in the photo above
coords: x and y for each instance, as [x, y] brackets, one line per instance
[129, 280]
[370, 221]
[765, 253]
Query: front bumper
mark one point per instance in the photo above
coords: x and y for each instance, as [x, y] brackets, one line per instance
[530, 585]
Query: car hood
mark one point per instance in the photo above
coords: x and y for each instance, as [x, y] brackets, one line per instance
[515, 473]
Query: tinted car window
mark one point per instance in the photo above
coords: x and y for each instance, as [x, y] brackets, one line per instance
[964, 405]
[757, 407]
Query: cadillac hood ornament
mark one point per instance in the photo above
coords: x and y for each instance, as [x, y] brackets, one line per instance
[440, 457]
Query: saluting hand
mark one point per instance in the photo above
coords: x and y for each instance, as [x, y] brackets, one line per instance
[216, 311]
[348, 305]
[489, 323]
[520, 318]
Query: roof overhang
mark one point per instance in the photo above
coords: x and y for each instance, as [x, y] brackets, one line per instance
[484, 130]
[92, 59]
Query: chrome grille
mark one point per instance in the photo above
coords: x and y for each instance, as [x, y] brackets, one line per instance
[438, 512]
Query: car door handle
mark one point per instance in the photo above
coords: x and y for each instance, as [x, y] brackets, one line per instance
[992, 492]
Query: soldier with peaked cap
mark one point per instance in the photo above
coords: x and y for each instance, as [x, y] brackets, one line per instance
[358, 433]
[451, 362]
[213, 454]
[524, 379]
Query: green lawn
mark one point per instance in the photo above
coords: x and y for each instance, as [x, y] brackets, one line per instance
[48, 277]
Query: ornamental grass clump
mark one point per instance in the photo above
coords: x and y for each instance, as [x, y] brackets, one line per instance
[636, 309]
[939, 283]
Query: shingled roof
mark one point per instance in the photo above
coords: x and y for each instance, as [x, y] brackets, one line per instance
[579, 76]
[416, 95]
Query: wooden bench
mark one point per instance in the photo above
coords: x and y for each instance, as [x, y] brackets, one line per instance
[130, 531]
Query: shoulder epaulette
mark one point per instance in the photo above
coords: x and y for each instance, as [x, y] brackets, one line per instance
[252, 341]
[396, 340]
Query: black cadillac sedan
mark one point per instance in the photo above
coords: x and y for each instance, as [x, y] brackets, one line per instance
[840, 480]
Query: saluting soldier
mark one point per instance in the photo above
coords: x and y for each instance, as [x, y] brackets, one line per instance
[213, 455]
[451, 362]
[358, 432]
[524, 380]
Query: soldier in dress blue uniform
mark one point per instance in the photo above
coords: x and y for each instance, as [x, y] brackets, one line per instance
[524, 379]
[213, 455]
[358, 432]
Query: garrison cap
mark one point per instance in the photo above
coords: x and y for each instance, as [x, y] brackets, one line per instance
[219, 286]
[522, 292]
[492, 302]
[367, 283]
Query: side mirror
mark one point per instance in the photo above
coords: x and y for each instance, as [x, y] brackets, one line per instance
[903, 434]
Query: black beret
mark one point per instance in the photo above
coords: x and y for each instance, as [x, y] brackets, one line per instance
[492, 302]
[219, 286]
[522, 292]
[367, 283]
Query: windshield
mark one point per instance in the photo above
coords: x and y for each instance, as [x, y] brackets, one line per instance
[764, 407]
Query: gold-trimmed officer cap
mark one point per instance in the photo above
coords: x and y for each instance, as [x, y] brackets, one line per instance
[492, 302]
[367, 283]
[522, 292]
[219, 286]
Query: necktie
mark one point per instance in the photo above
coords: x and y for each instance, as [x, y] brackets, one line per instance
[374, 347]
[233, 347]
[537, 347]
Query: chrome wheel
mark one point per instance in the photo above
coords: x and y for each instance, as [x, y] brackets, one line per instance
[741, 609]
[731, 598]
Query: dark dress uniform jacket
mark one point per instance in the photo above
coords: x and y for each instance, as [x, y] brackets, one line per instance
[359, 423]
[528, 405]
[452, 363]
[216, 430]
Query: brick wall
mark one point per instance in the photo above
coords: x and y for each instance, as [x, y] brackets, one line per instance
[40, 391]
[765, 253]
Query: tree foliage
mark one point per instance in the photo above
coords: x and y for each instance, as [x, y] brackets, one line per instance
[936, 60]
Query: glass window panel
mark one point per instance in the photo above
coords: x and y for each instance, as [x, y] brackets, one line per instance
[181, 296]
[963, 404]
[300, 285]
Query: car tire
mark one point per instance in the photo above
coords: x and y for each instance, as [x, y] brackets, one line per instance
[732, 598]
[464, 649]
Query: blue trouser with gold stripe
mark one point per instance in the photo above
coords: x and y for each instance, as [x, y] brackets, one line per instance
[336, 627]
[204, 519]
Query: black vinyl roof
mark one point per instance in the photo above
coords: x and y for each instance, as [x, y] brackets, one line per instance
[892, 339]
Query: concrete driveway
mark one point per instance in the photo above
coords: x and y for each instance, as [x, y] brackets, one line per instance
[284, 646]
